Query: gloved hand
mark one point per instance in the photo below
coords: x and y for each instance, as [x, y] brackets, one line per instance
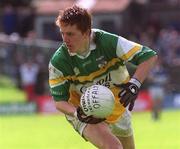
[87, 119]
[129, 93]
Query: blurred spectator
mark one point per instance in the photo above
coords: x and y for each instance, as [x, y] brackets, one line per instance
[158, 79]
[146, 39]
[25, 20]
[169, 45]
[42, 76]
[9, 19]
[28, 75]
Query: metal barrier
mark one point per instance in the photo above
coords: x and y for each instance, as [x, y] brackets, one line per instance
[15, 51]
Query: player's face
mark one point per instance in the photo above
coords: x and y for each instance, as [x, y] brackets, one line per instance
[74, 39]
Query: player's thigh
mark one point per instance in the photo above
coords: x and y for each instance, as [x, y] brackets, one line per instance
[127, 142]
[123, 130]
[101, 136]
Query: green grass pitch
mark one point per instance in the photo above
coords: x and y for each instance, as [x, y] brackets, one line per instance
[9, 92]
[53, 132]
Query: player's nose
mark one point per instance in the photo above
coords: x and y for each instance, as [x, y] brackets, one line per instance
[66, 39]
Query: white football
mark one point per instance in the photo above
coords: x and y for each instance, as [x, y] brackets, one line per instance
[98, 101]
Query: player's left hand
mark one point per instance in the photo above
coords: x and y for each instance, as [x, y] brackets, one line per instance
[129, 93]
[87, 119]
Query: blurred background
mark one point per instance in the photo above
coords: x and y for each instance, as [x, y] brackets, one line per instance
[29, 37]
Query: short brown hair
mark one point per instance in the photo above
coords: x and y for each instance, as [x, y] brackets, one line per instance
[75, 16]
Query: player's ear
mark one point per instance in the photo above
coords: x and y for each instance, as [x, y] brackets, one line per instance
[88, 32]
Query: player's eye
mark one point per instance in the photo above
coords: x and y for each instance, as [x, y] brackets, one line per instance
[70, 34]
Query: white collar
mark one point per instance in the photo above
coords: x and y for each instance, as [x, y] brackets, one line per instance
[92, 46]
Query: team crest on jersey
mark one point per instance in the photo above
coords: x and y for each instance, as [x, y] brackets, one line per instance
[101, 62]
[76, 71]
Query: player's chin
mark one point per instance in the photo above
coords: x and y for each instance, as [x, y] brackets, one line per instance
[71, 49]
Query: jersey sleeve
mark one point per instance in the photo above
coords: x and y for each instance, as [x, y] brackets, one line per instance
[59, 85]
[133, 52]
[117, 46]
[59, 78]
[126, 49]
[143, 55]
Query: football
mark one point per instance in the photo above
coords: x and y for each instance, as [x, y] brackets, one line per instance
[97, 101]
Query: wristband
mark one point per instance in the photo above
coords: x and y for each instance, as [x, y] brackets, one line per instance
[136, 82]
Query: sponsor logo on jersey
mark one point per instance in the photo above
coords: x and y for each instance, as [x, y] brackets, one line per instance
[101, 62]
[103, 81]
[56, 92]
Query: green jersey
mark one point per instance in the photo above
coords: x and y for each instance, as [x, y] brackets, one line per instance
[70, 74]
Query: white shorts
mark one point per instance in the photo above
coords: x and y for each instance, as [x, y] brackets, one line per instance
[121, 128]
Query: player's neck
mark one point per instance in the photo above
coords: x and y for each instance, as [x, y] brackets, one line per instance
[85, 49]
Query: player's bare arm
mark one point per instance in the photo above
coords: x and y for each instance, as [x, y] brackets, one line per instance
[144, 68]
[131, 89]
[65, 107]
[69, 109]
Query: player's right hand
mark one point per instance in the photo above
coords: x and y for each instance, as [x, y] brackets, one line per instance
[87, 119]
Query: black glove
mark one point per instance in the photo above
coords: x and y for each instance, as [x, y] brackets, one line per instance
[129, 93]
[87, 119]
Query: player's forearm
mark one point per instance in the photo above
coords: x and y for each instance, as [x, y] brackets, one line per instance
[65, 107]
[144, 68]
